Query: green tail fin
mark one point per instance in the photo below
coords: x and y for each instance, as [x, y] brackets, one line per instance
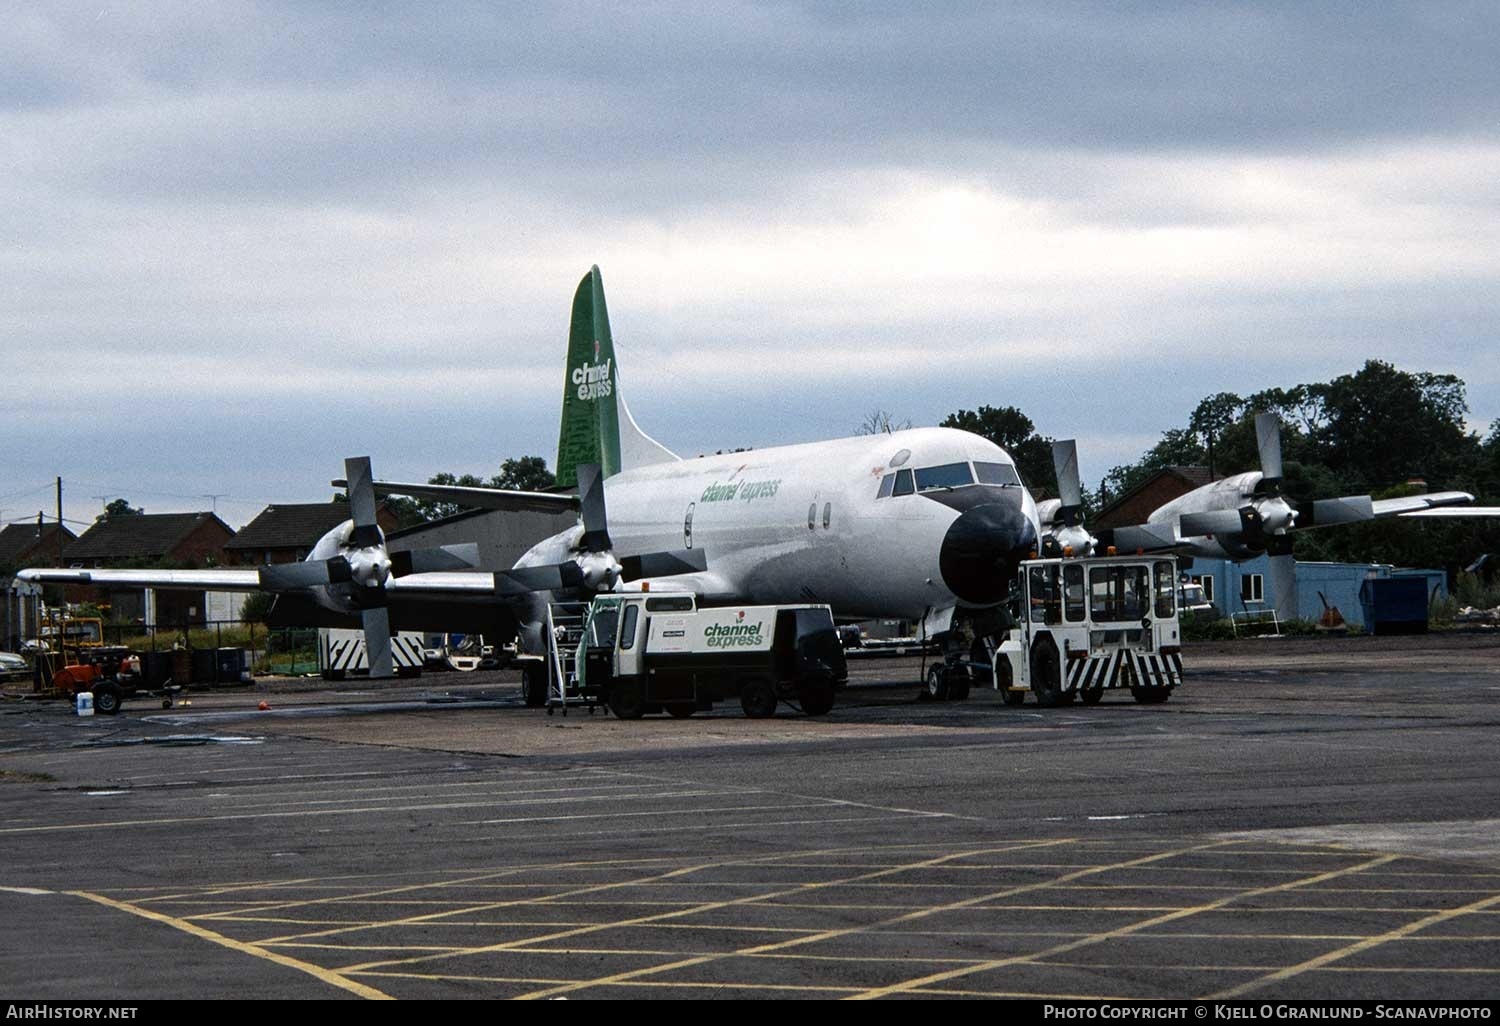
[596, 423]
[590, 430]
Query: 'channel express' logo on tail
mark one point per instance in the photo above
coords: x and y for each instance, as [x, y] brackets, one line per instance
[594, 380]
[735, 635]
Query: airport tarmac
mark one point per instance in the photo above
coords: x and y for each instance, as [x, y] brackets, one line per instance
[1305, 818]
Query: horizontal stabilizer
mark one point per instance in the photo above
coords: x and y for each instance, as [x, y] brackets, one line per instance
[663, 564]
[464, 556]
[479, 498]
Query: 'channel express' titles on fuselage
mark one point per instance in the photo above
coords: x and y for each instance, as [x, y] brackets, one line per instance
[879, 525]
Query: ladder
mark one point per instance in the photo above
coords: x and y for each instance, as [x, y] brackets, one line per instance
[565, 625]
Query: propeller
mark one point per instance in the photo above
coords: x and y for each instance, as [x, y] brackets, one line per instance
[352, 564]
[599, 567]
[1066, 520]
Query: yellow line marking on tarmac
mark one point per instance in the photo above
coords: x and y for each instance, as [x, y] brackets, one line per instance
[845, 931]
[328, 976]
[659, 984]
[1123, 931]
[512, 903]
[1397, 934]
[705, 907]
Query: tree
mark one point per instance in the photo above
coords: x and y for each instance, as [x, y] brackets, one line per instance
[118, 508]
[526, 474]
[880, 422]
[1014, 432]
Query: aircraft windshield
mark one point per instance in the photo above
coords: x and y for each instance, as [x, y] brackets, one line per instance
[949, 475]
[996, 473]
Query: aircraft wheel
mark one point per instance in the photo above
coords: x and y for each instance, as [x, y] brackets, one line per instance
[1046, 677]
[816, 697]
[107, 698]
[937, 685]
[627, 700]
[1091, 696]
[758, 698]
[534, 685]
[681, 710]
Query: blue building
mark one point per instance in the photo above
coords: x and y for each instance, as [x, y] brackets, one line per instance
[1248, 587]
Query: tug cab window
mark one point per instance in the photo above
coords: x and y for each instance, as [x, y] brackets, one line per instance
[1119, 593]
[996, 473]
[948, 475]
[1045, 599]
[1073, 604]
[1166, 590]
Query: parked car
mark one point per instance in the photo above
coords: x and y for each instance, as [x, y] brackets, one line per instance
[13, 666]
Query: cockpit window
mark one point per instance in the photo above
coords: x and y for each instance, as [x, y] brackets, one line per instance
[885, 486]
[996, 473]
[949, 475]
[903, 483]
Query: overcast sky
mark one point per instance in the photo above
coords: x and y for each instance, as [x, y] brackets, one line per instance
[243, 241]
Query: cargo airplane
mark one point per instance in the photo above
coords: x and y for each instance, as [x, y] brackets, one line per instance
[921, 524]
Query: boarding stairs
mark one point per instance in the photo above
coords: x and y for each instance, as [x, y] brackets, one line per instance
[566, 622]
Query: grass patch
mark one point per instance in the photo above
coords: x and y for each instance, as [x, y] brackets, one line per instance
[23, 777]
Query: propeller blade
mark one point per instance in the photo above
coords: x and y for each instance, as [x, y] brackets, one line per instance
[1218, 521]
[528, 579]
[591, 503]
[377, 624]
[1069, 489]
[464, 556]
[362, 501]
[1283, 575]
[1346, 509]
[663, 564]
[1146, 537]
[299, 576]
[1268, 440]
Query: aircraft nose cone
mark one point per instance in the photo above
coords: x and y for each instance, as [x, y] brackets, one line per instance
[981, 549]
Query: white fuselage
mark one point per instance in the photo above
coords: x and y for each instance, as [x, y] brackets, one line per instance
[807, 523]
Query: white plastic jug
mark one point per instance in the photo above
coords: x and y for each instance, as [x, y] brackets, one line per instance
[85, 703]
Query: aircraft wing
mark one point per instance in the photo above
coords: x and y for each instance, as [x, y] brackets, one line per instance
[166, 580]
[478, 498]
[1433, 504]
[1455, 511]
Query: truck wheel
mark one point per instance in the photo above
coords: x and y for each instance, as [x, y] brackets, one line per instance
[627, 700]
[758, 698]
[936, 687]
[534, 685]
[816, 697]
[1008, 696]
[680, 710]
[106, 698]
[1091, 696]
[1046, 676]
[958, 685]
[1145, 696]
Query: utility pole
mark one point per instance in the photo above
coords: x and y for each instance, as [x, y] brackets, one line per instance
[59, 523]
